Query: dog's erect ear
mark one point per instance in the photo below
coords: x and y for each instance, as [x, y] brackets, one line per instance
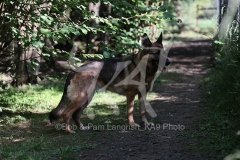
[159, 40]
[146, 41]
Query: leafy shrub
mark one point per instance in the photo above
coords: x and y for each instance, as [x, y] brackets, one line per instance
[223, 94]
[224, 88]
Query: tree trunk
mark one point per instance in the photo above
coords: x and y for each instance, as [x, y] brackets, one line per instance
[105, 11]
[27, 65]
[28, 58]
[50, 62]
[5, 26]
[90, 37]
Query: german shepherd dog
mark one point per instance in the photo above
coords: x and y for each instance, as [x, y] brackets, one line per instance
[130, 76]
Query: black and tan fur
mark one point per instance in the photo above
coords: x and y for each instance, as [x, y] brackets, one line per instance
[81, 84]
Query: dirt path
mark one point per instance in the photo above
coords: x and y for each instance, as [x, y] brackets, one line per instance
[178, 108]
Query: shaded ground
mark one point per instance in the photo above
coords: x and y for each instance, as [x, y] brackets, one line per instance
[178, 109]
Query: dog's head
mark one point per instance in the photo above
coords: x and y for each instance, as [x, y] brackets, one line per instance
[155, 53]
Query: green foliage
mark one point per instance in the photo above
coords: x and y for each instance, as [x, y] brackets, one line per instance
[30, 23]
[55, 23]
[225, 76]
[223, 96]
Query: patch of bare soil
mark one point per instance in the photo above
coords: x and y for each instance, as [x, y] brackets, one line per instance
[178, 109]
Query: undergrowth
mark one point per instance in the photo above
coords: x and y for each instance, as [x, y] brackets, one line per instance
[220, 130]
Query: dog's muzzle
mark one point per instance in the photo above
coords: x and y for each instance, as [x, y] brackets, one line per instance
[157, 58]
[166, 64]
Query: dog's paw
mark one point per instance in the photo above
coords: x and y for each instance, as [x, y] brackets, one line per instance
[70, 131]
[135, 125]
[84, 128]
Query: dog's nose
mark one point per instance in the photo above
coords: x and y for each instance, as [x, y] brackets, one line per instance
[167, 62]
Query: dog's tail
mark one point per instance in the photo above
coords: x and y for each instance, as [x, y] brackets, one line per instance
[57, 112]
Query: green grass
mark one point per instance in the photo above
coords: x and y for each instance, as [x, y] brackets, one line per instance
[28, 98]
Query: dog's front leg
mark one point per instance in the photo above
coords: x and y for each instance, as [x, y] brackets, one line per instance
[130, 109]
[142, 109]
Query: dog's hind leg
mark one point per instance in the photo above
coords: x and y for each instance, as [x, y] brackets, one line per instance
[80, 92]
[74, 110]
[76, 117]
[77, 114]
[68, 114]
